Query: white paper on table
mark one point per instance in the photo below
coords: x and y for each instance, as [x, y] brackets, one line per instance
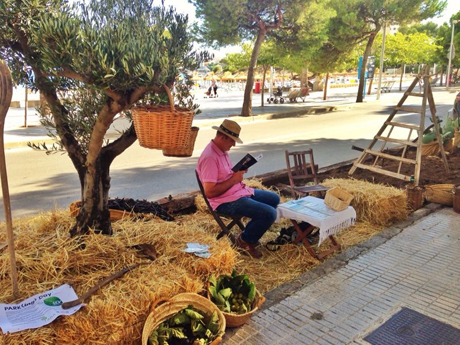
[38, 310]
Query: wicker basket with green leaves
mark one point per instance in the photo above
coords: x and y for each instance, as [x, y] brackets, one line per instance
[184, 318]
[236, 296]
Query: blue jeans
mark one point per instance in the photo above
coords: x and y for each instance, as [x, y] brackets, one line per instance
[260, 207]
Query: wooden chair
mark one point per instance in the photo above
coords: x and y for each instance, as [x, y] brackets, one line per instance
[225, 228]
[301, 171]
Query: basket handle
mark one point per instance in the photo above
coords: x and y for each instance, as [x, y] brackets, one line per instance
[157, 302]
[260, 302]
[171, 100]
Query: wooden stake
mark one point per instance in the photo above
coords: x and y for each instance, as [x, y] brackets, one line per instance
[6, 93]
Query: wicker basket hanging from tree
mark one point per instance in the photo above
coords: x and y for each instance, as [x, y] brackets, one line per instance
[185, 151]
[162, 126]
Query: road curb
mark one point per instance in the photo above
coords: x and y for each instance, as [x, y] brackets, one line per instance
[22, 144]
[273, 116]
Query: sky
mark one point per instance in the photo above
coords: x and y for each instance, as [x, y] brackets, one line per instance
[453, 6]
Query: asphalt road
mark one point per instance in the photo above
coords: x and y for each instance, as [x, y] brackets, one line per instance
[39, 182]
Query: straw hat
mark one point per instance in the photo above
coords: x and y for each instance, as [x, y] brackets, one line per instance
[230, 129]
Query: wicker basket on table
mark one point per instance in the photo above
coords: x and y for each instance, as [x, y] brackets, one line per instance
[338, 199]
[162, 309]
[236, 320]
[162, 126]
[185, 151]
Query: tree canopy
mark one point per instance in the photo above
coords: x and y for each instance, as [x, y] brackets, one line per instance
[92, 60]
[227, 22]
[361, 20]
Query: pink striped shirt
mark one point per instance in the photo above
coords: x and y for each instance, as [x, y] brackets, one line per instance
[215, 166]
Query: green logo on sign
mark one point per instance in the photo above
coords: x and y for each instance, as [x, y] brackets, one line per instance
[52, 301]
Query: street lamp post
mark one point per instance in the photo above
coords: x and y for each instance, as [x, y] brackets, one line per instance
[450, 53]
[382, 54]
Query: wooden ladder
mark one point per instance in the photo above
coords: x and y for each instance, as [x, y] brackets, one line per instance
[427, 96]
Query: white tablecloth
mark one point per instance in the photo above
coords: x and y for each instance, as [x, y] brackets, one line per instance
[314, 211]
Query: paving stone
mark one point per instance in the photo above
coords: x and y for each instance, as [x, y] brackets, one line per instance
[447, 310]
[341, 339]
[231, 341]
[310, 332]
[300, 338]
[258, 321]
[291, 322]
[282, 307]
[263, 339]
[322, 341]
[347, 331]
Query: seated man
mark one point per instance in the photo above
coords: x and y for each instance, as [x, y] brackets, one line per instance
[228, 195]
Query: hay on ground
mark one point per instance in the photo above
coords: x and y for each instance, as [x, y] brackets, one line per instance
[115, 314]
[377, 204]
[47, 258]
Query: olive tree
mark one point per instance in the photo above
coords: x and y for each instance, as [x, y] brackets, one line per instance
[90, 61]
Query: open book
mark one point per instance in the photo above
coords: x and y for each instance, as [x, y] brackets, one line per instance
[246, 162]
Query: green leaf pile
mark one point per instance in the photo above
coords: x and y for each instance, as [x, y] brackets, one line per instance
[232, 293]
[188, 326]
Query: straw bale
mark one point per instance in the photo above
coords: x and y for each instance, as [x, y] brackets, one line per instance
[377, 204]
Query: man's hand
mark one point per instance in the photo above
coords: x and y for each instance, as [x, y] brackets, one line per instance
[213, 189]
[238, 176]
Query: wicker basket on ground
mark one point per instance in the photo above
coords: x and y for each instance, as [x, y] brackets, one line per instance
[114, 214]
[160, 126]
[440, 194]
[415, 196]
[185, 151]
[236, 320]
[338, 199]
[432, 149]
[163, 308]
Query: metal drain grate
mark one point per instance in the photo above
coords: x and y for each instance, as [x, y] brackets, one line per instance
[410, 327]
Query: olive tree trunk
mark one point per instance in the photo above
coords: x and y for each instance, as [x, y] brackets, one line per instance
[247, 103]
[95, 185]
[93, 166]
[263, 28]
[370, 42]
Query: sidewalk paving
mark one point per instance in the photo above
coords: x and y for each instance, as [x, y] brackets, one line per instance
[412, 264]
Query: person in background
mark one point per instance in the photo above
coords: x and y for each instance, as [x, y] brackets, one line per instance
[214, 87]
[456, 111]
[227, 194]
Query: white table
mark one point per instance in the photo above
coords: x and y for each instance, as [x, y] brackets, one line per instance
[313, 211]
